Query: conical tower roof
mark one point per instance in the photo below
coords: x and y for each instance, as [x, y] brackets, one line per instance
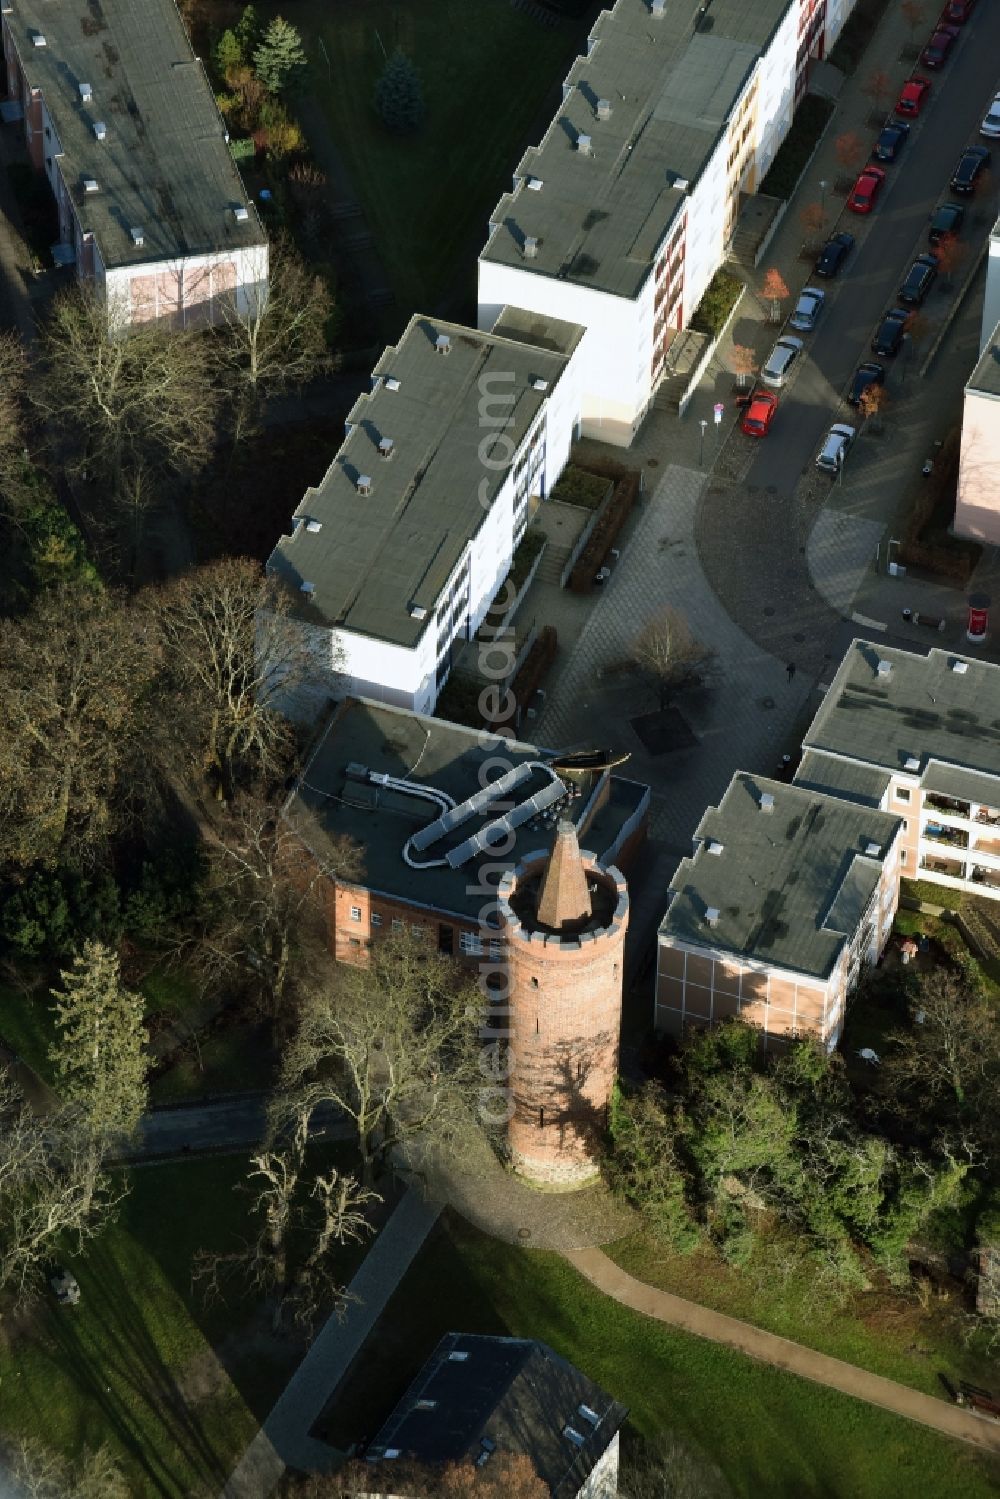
[564, 902]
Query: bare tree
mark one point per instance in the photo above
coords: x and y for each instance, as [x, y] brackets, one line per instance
[132, 396]
[667, 1468]
[392, 1046]
[74, 673]
[42, 1474]
[507, 1475]
[12, 371]
[949, 1057]
[263, 907]
[667, 653]
[232, 656]
[51, 1197]
[327, 1210]
[277, 341]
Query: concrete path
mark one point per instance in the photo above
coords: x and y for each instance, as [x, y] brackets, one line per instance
[781, 1353]
[220, 1124]
[284, 1441]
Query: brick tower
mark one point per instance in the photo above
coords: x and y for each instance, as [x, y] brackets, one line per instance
[564, 919]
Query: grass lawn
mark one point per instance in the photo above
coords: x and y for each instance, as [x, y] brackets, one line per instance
[175, 1388]
[489, 72]
[771, 1433]
[27, 1025]
[231, 1058]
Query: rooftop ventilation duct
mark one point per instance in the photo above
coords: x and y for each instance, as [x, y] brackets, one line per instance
[363, 484]
[714, 846]
[86, 93]
[442, 344]
[391, 383]
[530, 246]
[766, 802]
[712, 915]
[603, 109]
[584, 145]
[100, 129]
[314, 526]
[884, 669]
[961, 667]
[873, 850]
[539, 385]
[241, 213]
[138, 237]
[912, 762]
[386, 447]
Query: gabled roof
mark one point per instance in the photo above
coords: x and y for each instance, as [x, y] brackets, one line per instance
[163, 165]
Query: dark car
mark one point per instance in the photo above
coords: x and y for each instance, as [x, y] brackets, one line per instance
[834, 253]
[919, 280]
[974, 160]
[866, 374]
[890, 332]
[946, 221]
[891, 141]
[957, 12]
[935, 54]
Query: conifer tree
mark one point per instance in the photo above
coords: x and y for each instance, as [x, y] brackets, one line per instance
[399, 97]
[279, 60]
[100, 1049]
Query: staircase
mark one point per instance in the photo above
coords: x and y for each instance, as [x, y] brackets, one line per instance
[550, 568]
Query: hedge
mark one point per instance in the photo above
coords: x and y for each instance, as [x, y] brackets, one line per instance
[721, 296]
[859, 28]
[591, 559]
[797, 147]
[575, 486]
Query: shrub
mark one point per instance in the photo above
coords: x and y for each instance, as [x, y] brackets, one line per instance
[617, 511]
[575, 486]
[797, 147]
[53, 910]
[243, 149]
[721, 296]
[399, 97]
[536, 665]
[528, 549]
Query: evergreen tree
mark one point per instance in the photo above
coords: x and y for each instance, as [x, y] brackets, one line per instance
[100, 1052]
[227, 54]
[248, 32]
[280, 59]
[399, 97]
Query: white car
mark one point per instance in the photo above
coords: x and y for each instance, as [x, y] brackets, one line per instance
[991, 125]
[807, 309]
[836, 445]
[780, 360]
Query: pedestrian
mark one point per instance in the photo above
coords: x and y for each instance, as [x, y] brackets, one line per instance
[790, 669]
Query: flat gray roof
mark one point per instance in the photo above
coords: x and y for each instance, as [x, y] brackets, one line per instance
[788, 885]
[332, 802]
[598, 218]
[380, 560]
[920, 710]
[163, 166]
[985, 378]
[859, 783]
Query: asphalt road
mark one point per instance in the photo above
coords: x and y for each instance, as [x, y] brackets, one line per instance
[866, 288]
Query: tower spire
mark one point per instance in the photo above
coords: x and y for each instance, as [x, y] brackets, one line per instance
[563, 898]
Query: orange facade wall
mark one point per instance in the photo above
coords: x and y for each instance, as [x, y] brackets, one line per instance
[697, 989]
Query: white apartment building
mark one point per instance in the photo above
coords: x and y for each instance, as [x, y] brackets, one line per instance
[919, 737]
[620, 217]
[991, 300]
[395, 558]
[119, 115]
[788, 894]
[977, 504]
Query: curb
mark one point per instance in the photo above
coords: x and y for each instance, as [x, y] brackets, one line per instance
[954, 309]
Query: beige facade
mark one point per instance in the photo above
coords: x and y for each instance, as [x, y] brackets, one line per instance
[977, 507]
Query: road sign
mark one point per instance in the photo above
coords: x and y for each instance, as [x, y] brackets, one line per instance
[717, 411]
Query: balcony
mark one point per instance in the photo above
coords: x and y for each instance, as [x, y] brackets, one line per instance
[990, 846]
[947, 804]
[980, 876]
[988, 815]
[952, 869]
[936, 832]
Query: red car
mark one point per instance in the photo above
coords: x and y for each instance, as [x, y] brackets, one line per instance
[759, 413]
[956, 13]
[866, 190]
[914, 96]
[936, 52]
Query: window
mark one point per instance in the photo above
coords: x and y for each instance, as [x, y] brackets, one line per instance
[355, 913]
[397, 926]
[906, 825]
[903, 858]
[496, 947]
[902, 793]
[355, 941]
[376, 919]
[446, 939]
[469, 942]
[417, 931]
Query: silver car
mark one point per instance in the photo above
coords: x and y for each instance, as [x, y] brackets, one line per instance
[836, 445]
[991, 124]
[807, 309]
[781, 359]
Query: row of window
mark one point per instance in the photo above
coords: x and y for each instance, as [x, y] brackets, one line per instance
[468, 942]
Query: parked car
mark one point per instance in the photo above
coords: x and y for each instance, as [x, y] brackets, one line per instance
[891, 140]
[957, 12]
[807, 309]
[836, 446]
[974, 159]
[946, 220]
[919, 280]
[913, 97]
[935, 54]
[759, 413]
[866, 374]
[866, 190]
[834, 253]
[890, 332]
[780, 360]
[991, 123]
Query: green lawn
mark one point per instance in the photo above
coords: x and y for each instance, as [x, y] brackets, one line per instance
[176, 1388]
[491, 78]
[27, 1025]
[771, 1433]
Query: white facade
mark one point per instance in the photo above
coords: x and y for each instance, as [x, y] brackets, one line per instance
[991, 300]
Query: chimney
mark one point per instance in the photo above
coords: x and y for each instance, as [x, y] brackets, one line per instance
[714, 846]
[100, 129]
[307, 587]
[712, 915]
[442, 344]
[386, 447]
[563, 898]
[90, 185]
[535, 184]
[657, 9]
[960, 667]
[912, 762]
[583, 145]
[540, 385]
[766, 802]
[884, 669]
[241, 213]
[137, 234]
[391, 383]
[86, 93]
[38, 39]
[314, 526]
[873, 850]
[604, 109]
[363, 484]
[530, 247]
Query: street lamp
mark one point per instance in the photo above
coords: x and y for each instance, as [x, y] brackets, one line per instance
[701, 450]
[822, 197]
